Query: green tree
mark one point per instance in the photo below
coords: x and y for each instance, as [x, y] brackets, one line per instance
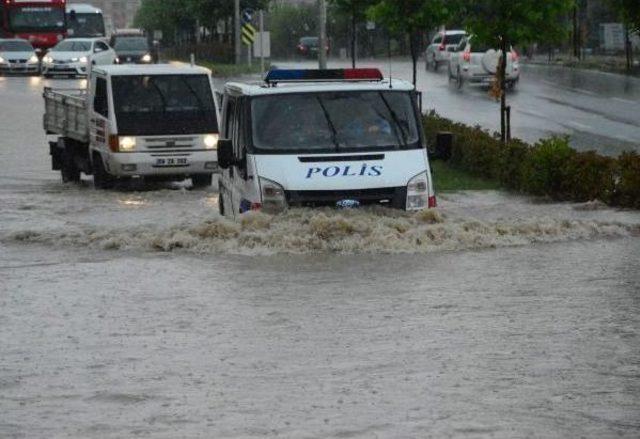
[629, 13]
[503, 23]
[356, 10]
[412, 18]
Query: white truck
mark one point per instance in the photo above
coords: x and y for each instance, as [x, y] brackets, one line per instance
[341, 138]
[158, 122]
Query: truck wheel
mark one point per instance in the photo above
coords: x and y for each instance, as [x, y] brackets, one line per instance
[68, 168]
[201, 180]
[101, 178]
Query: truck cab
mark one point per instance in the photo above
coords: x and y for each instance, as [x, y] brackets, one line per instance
[340, 138]
[156, 122]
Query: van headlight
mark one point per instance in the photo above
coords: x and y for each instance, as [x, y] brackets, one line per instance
[211, 141]
[126, 143]
[418, 192]
[146, 58]
[273, 196]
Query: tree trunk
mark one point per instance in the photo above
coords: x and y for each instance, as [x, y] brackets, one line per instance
[628, 48]
[353, 37]
[576, 33]
[503, 90]
[413, 47]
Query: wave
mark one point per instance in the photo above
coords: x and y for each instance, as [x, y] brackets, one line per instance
[300, 231]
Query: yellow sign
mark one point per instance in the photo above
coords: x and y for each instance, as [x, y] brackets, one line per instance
[248, 34]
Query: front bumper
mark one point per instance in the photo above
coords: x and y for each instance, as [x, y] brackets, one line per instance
[76, 68]
[16, 68]
[182, 163]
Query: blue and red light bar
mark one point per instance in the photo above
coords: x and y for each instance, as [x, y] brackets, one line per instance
[328, 75]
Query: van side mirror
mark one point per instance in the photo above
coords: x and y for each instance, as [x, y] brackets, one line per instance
[225, 153]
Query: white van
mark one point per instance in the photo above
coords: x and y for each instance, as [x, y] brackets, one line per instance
[340, 138]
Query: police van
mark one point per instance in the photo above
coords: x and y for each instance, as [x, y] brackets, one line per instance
[341, 138]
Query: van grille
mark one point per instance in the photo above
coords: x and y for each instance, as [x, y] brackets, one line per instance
[393, 196]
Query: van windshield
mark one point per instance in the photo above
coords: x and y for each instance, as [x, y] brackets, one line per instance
[164, 104]
[334, 121]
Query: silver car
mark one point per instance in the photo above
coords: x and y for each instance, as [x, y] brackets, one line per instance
[73, 56]
[18, 56]
[439, 51]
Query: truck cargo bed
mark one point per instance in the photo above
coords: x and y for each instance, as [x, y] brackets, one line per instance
[66, 113]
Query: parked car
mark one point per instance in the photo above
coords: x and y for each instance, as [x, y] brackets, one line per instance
[438, 52]
[133, 49]
[476, 63]
[74, 55]
[18, 56]
[308, 47]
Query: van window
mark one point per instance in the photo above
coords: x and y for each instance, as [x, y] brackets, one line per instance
[100, 102]
[335, 121]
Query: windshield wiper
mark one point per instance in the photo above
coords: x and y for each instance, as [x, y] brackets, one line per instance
[334, 133]
[402, 137]
[195, 94]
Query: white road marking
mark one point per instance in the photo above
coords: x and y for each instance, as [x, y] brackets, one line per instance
[626, 101]
[578, 125]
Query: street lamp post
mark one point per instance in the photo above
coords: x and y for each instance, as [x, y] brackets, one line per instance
[236, 30]
[322, 53]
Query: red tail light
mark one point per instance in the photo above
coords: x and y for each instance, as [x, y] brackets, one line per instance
[466, 56]
[433, 202]
[442, 47]
[514, 55]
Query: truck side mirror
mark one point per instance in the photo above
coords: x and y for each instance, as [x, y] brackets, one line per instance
[225, 153]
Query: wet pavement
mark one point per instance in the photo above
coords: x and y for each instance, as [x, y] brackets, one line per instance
[598, 110]
[142, 313]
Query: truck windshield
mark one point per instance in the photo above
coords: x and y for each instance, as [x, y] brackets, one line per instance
[164, 104]
[36, 18]
[335, 121]
[85, 25]
[131, 43]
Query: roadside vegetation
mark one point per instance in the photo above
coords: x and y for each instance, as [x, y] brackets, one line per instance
[548, 168]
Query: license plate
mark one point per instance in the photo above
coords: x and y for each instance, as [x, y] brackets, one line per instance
[172, 161]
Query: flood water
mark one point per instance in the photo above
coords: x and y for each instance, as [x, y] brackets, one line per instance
[142, 313]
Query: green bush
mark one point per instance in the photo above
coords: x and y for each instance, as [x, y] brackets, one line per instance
[627, 175]
[549, 168]
[545, 168]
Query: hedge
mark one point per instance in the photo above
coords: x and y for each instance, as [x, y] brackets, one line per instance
[548, 168]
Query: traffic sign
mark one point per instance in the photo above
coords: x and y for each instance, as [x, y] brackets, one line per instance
[248, 34]
[247, 16]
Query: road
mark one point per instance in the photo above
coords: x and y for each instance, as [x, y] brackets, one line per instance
[598, 110]
[143, 313]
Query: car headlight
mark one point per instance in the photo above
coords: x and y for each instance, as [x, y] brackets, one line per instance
[211, 141]
[418, 192]
[83, 59]
[146, 58]
[47, 59]
[273, 196]
[1, 60]
[126, 143]
[33, 59]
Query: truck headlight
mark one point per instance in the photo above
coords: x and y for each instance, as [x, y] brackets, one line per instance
[146, 58]
[33, 59]
[211, 141]
[273, 196]
[418, 192]
[126, 143]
